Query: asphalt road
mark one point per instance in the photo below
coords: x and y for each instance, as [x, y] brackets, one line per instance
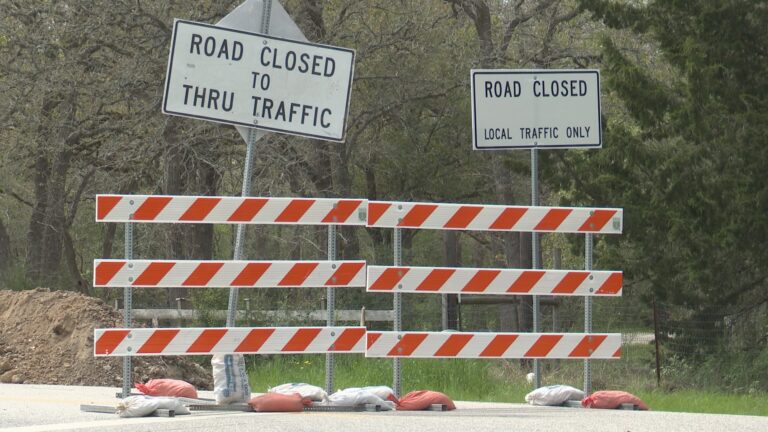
[35, 408]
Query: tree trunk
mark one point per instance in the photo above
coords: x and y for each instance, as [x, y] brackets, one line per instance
[5, 249]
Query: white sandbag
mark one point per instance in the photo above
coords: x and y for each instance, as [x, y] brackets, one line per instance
[553, 395]
[356, 396]
[383, 392]
[230, 380]
[142, 406]
[309, 391]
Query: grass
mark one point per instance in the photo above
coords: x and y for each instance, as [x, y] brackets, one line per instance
[486, 380]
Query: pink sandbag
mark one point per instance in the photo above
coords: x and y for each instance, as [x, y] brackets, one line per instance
[168, 387]
[611, 399]
[277, 402]
[423, 399]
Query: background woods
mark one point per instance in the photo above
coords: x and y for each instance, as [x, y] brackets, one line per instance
[685, 152]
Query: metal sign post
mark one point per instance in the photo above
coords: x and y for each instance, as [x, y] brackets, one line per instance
[127, 311]
[588, 239]
[331, 303]
[535, 258]
[397, 242]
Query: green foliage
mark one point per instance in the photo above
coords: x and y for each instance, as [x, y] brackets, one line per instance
[688, 161]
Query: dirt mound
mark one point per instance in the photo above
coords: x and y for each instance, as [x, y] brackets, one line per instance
[47, 338]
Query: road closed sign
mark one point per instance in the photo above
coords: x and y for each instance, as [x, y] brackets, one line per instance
[254, 80]
[523, 109]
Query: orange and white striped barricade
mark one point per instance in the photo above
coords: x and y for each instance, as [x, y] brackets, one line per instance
[445, 280]
[129, 273]
[230, 210]
[228, 340]
[474, 217]
[228, 274]
[398, 279]
[493, 345]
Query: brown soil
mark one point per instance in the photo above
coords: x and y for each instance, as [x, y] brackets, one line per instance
[47, 338]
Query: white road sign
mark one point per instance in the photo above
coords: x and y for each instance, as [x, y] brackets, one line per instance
[519, 109]
[254, 80]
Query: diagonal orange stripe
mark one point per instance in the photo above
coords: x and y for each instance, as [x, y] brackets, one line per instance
[372, 338]
[295, 210]
[106, 270]
[347, 339]
[587, 346]
[247, 210]
[199, 209]
[158, 341]
[463, 217]
[254, 340]
[480, 281]
[617, 354]
[388, 279]
[345, 273]
[342, 211]
[552, 219]
[499, 345]
[417, 215]
[151, 207]
[202, 274]
[525, 282]
[376, 210]
[109, 340]
[453, 345]
[298, 274]
[612, 285]
[408, 344]
[207, 340]
[570, 282]
[301, 340]
[543, 346]
[250, 274]
[508, 218]
[153, 274]
[105, 204]
[435, 280]
[597, 220]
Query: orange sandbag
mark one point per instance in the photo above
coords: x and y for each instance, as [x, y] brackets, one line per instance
[612, 399]
[423, 399]
[168, 387]
[276, 402]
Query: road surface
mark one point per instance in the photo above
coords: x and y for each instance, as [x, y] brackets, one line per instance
[37, 408]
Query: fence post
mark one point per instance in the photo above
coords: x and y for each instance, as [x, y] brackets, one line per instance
[656, 342]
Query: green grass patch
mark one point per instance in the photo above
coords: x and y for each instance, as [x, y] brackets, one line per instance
[489, 380]
[697, 401]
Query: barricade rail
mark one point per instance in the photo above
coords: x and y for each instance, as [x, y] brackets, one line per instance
[448, 280]
[225, 274]
[228, 340]
[493, 345]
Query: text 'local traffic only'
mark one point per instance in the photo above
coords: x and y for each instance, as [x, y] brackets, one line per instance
[535, 109]
[254, 80]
